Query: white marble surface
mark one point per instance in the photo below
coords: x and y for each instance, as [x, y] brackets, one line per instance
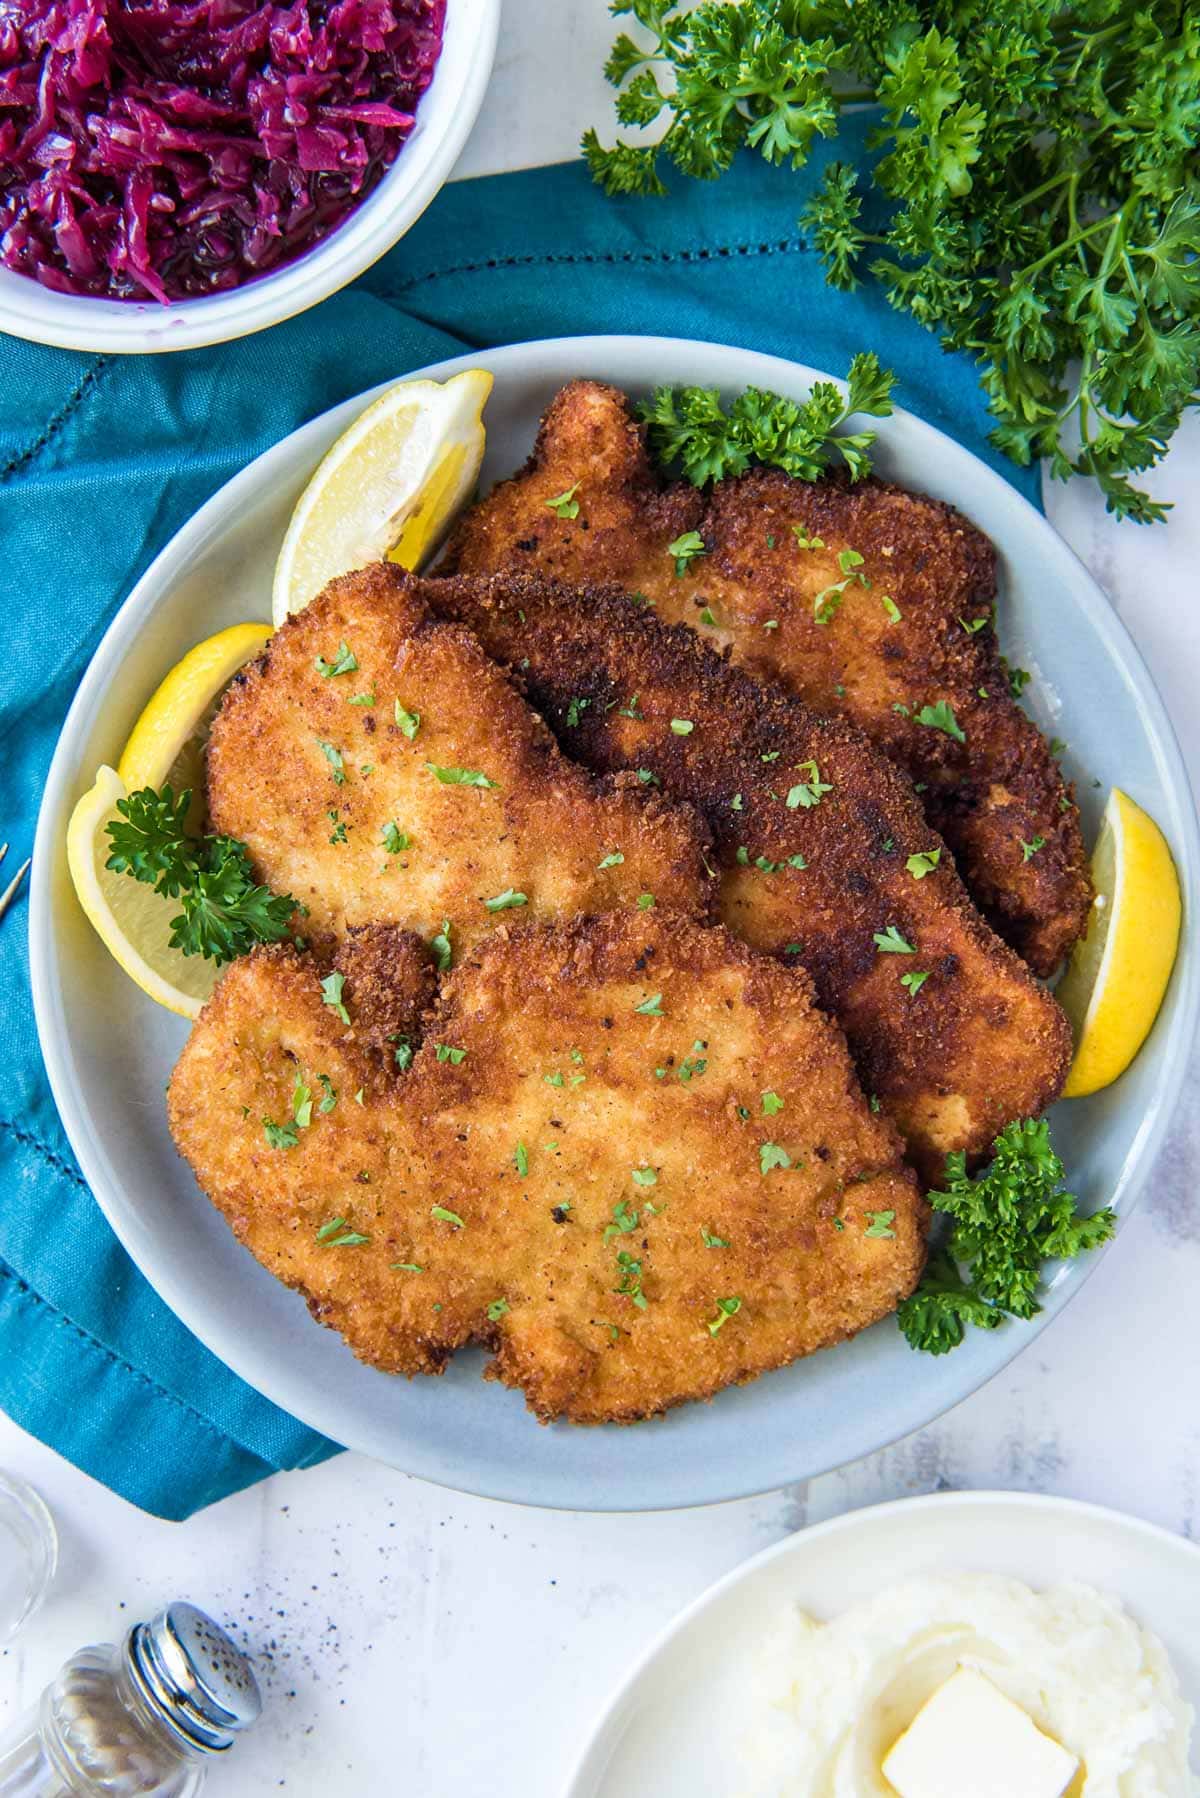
[413, 1640]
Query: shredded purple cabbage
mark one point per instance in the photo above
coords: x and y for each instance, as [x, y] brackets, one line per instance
[173, 148]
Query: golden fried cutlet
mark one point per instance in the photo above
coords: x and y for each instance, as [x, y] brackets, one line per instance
[338, 794]
[868, 601]
[630, 1156]
[816, 839]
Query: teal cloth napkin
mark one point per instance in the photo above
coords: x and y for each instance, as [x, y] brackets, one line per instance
[102, 458]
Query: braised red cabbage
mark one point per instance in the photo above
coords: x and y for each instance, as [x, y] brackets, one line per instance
[173, 148]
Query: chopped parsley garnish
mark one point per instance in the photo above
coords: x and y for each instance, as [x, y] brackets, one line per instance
[971, 625]
[849, 560]
[772, 1104]
[335, 1235]
[407, 1267]
[645, 901]
[712, 1242]
[564, 504]
[880, 1224]
[940, 717]
[446, 1217]
[367, 698]
[329, 1098]
[409, 722]
[1029, 850]
[726, 1308]
[695, 1064]
[891, 608]
[634, 710]
[443, 949]
[336, 760]
[345, 662]
[301, 1102]
[624, 1220]
[554, 1079]
[459, 777]
[770, 1155]
[1018, 680]
[496, 1310]
[707, 617]
[575, 710]
[1007, 1221]
[331, 994]
[682, 727]
[645, 1176]
[395, 840]
[800, 533]
[650, 1008]
[521, 1159]
[808, 793]
[827, 601]
[923, 862]
[890, 942]
[613, 860]
[280, 1136]
[508, 900]
[445, 1052]
[223, 912]
[914, 982]
[630, 1283]
[685, 549]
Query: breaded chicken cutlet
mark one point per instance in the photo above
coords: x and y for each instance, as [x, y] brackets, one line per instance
[383, 770]
[824, 853]
[629, 1155]
[868, 601]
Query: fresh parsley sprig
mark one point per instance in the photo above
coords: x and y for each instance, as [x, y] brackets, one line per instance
[1036, 202]
[1008, 1221]
[223, 909]
[690, 429]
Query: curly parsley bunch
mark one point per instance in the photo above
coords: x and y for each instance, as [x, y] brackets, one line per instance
[1037, 200]
[223, 909]
[1006, 1224]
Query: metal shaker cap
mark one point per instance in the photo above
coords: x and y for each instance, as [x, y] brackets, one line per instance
[196, 1678]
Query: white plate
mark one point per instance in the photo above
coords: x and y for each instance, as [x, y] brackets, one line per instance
[677, 1727]
[109, 1051]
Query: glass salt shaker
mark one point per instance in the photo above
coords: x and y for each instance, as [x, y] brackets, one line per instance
[136, 1721]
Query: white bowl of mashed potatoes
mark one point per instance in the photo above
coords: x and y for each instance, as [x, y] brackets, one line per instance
[1072, 1658]
[796, 1675]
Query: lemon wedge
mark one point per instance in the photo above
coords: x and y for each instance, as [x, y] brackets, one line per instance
[166, 746]
[390, 486]
[1118, 972]
[131, 919]
[168, 741]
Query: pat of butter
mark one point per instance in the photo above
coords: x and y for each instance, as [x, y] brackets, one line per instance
[970, 1741]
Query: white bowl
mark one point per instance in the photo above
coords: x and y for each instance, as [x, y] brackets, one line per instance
[446, 113]
[683, 1718]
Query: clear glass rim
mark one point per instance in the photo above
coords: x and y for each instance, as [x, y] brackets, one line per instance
[29, 1519]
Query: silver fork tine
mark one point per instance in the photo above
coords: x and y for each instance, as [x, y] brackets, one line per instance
[10, 891]
[3, 851]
